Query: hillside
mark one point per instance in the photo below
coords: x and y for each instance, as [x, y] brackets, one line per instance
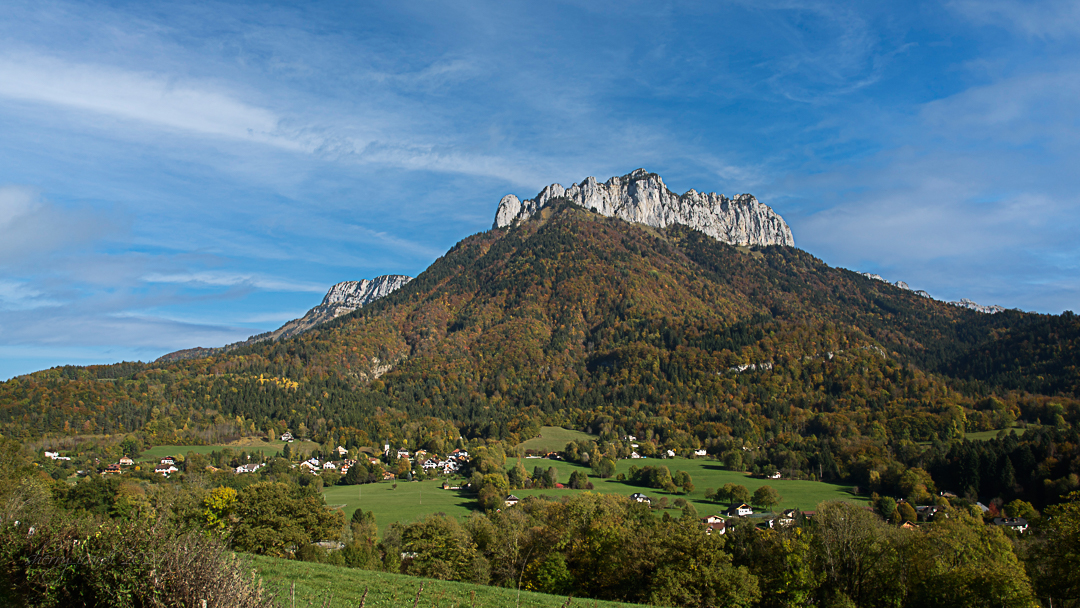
[578, 320]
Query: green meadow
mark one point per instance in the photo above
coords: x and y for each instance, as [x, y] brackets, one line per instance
[269, 448]
[308, 584]
[554, 439]
[411, 501]
[985, 435]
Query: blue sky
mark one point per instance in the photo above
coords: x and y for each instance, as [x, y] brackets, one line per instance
[181, 174]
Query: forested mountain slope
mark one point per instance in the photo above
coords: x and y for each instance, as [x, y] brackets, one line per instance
[572, 318]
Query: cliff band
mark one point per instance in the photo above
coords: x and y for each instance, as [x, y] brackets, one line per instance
[642, 197]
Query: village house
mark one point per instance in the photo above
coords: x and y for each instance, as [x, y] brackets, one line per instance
[635, 455]
[165, 469]
[249, 468]
[1016, 523]
[126, 462]
[700, 452]
[388, 476]
[714, 523]
[287, 436]
[639, 497]
[787, 518]
[511, 500]
[341, 451]
[168, 460]
[329, 466]
[775, 475]
[56, 456]
[740, 510]
[928, 512]
[112, 469]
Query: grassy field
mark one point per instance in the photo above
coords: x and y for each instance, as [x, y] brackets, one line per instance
[553, 439]
[270, 448]
[337, 587]
[705, 474]
[985, 435]
[411, 501]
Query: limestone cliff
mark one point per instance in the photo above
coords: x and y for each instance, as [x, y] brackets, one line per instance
[642, 197]
[342, 299]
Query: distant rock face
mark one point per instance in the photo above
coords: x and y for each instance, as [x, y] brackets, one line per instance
[963, 303]
[900, 284]
[342, 299]
[966, 303]
[642, 197]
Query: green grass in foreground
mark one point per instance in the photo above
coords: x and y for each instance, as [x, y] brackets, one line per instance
[338, 587]
[554, 439]
[412, 501]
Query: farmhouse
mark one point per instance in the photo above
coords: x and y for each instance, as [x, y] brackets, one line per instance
[740, 510]
[715, 524]
[639, 497]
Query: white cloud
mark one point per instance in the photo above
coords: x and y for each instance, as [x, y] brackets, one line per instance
[1042, 19]
[20, 296]
[30, 226]
[148, 98]
[229, 279]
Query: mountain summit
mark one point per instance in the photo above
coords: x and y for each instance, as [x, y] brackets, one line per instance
[642, 197]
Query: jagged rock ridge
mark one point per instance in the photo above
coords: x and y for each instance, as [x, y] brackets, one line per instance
[963, 303]
[342, 299]
[642, 197]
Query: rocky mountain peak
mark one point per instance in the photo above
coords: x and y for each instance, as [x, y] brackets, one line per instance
[341, 299]
[642, 197]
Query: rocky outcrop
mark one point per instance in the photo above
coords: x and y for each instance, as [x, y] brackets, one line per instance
[342, 299]
[642, 197]
[900, 284]
[966, 303]
[963, 303]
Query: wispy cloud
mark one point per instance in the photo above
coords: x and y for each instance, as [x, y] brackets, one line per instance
[31, 226]
[145, 97]
[1052, 19]
[20, 296]
[228, 279]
